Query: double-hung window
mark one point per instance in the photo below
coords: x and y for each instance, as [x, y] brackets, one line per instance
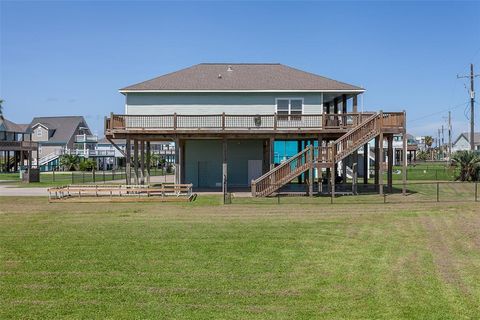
[289, 108]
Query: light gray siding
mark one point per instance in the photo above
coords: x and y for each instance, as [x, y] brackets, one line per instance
[215, 103]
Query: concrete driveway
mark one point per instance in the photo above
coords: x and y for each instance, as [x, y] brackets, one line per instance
[12, 191]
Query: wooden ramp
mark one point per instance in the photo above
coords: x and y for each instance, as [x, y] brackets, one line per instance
[122, 193]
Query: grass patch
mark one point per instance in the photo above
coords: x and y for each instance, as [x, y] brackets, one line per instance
[203, 260]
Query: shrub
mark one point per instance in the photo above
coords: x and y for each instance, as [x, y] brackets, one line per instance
[469, 164]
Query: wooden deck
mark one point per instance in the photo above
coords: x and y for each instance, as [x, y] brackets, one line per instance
[227, 124]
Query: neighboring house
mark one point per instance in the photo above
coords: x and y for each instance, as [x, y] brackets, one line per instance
[226, 118]
[16, 147]
[412, 148]
[60, 135]
[421, 146]
[463, 142]
[109, 157]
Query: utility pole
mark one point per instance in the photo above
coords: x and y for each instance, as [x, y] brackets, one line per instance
[438, 144]
[449, 135]
[472, 105]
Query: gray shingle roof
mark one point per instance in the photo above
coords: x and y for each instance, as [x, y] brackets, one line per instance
[8, 125]
[231, 76]
[476, 137]
[64, 127]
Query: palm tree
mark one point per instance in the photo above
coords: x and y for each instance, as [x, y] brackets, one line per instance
[429, 143]
[88, 165]
[69, 162]
[469, 163]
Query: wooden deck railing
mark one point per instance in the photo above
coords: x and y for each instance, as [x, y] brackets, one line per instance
[224, 121]
[18, 145]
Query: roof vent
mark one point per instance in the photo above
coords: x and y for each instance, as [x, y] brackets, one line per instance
[219, 76]
[229, 68]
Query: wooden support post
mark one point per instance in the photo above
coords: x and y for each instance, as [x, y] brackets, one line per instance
[148, 162]
[224, 169]
[310, 170]
[377, 161]
[390, 162]
[355, 104]
[344, 170]
[380, 163]
[319, 161]
[128, 160]
[366, 161]
[332, 181]
[142, 162]
[299, 148]
[271, 151]
[404, 161]
[178, 161]
[344, 103]
[22, 160]
[135, 160]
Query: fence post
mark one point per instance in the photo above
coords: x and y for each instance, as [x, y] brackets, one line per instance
[72, 178]
[113, 174]
[476, 191]
[53, 173]
[83, 176]
[103, 175]
[93, 175]
[438, 192]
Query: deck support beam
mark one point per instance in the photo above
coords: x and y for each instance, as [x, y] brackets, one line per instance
[310, 170]
[390, 162]
[135, 160]
[355, 104]
[128, 160]
[299, 148]
[142, 162]
[404, 154]
[319, 161]
[178, 161]
[380, 164]
[148, 161]
[271, 151]
[366, 160]
[377, 161]
[224, 168]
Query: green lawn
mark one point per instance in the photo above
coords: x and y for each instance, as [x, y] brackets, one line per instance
[248, 260]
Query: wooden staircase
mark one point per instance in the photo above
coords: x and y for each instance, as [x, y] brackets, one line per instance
[327, 156]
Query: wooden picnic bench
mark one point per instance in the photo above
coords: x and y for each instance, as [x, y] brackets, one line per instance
[121, 193]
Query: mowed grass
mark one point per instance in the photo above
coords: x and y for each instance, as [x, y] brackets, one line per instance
[203, 260]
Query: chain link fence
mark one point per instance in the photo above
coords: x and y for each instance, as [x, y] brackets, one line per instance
[367, 193]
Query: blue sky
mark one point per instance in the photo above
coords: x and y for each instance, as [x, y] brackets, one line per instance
[60, 58]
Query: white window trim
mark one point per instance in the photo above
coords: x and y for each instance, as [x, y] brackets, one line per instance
[290, 105]
[39, 132]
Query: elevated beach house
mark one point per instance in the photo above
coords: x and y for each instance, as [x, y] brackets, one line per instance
[17, 149]
[225, 119]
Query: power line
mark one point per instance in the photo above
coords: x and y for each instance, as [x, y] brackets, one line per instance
[440, 111]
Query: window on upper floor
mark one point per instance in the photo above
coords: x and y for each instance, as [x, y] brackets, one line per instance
[39, 132]
[292, 107]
